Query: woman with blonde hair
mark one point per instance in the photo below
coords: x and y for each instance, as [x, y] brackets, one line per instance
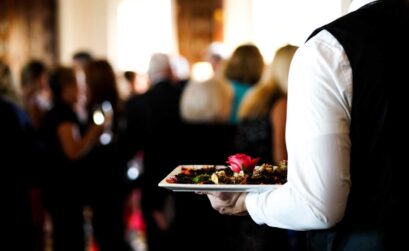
[262, 114]
[206, 102]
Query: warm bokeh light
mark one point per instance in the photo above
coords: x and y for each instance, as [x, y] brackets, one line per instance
[143, 27]
[98, 117]
[202, 71]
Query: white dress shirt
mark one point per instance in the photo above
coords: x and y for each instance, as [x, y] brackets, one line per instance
[317, 136]
[318, 142]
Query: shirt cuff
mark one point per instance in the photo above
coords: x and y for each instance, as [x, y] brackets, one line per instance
[252, 206]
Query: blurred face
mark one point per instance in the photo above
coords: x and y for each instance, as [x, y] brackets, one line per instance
[43, 82]
[71, 93]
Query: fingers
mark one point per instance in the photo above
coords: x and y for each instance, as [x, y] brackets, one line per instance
[220, 203]
[216, 201]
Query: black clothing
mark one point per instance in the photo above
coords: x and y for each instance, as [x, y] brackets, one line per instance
[153, 126]
[374, 39]
[106, 193]
[65, 185]
[17, 149]
[254, 137]
[59, 114]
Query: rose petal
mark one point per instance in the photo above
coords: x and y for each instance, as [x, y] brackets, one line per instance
[235, 164]
[241, 161]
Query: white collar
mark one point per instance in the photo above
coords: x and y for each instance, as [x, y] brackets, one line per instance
[356, 4]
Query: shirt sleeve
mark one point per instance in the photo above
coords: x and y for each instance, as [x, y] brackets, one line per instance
[318, 143]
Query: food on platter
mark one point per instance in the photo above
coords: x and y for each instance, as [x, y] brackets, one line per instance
[242, 169]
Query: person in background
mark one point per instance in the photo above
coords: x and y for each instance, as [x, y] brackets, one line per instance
[153, 125]
[346, 139]
[36, 100]
[163, 94]
[261, 133]
[262, 113]
[35, 91]
[102, 87]
[215, 54]
[180, 69]
[80, 62]
[67, 143]
[207, 101]
[106, 171]
[131, 79]
[205, 110]
[17, 139]
[8, 89]
[243, 70]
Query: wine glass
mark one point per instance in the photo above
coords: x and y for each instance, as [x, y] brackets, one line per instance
[103, 115]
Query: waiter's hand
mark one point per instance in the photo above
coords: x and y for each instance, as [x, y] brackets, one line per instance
[228, 202]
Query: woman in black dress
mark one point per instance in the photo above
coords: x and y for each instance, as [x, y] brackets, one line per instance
[67, 144]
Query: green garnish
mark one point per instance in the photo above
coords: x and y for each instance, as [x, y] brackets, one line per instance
[201, 178]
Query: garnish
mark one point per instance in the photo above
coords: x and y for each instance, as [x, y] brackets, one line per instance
[201, 178]
[242, 163]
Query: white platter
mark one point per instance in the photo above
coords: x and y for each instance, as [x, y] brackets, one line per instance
[177, 187]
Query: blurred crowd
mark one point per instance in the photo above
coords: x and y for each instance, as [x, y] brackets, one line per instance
[69, 140]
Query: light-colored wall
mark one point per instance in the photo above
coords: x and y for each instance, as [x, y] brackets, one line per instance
[271, 24]
[237, 22]
[82, 25]
[92, 24]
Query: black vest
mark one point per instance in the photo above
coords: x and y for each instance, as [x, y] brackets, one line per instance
[375, 39]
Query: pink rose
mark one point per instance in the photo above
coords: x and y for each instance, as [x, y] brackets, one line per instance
[242, 162]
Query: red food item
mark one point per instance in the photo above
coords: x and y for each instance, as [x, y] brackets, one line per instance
[242, 162]
[172, 180]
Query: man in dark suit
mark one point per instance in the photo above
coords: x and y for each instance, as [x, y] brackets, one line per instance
[153, 126]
